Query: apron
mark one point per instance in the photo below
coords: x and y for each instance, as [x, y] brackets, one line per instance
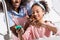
[19, 21]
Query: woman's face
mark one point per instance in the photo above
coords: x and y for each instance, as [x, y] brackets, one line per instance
[15, 3]
[37, 12]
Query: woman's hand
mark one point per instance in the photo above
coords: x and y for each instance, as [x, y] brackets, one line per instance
[14, 30]
[20, 33]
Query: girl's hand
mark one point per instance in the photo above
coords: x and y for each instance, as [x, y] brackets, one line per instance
[53, 29]
[50, 27]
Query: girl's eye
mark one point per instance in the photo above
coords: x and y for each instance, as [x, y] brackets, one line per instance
[37, 11]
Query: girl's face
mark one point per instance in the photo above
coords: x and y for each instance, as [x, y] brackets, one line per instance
[37, 12]
[15, 3]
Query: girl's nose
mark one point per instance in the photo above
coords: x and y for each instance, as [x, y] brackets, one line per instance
[35, 13]
[16, 1]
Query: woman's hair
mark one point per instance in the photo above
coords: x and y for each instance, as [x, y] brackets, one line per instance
[23, 2]
[42, 4]
[1, 7]
[8, 3]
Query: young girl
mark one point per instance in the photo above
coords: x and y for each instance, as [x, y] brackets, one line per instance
[38, 28]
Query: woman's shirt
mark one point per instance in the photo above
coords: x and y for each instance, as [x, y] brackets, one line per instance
[34, 32]
[17, 18]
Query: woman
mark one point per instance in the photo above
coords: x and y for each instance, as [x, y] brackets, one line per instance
[38, 28]
[17, 15]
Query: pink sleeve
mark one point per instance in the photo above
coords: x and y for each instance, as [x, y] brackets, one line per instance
[50, 24]
[47, 31]
[27, 33]
[58, 31]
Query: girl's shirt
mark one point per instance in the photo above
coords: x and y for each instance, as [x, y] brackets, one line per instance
[34, 32]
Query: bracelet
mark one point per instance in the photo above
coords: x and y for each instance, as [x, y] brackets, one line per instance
[18, 27]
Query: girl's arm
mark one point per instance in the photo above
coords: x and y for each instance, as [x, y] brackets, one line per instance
[53, 29]
[50, 26]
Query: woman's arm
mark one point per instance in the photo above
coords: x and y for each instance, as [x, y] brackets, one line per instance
[13, 30]
[20, 32]
[17, 33]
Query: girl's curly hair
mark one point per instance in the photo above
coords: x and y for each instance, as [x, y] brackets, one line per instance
[44, 4]
[36, 23]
